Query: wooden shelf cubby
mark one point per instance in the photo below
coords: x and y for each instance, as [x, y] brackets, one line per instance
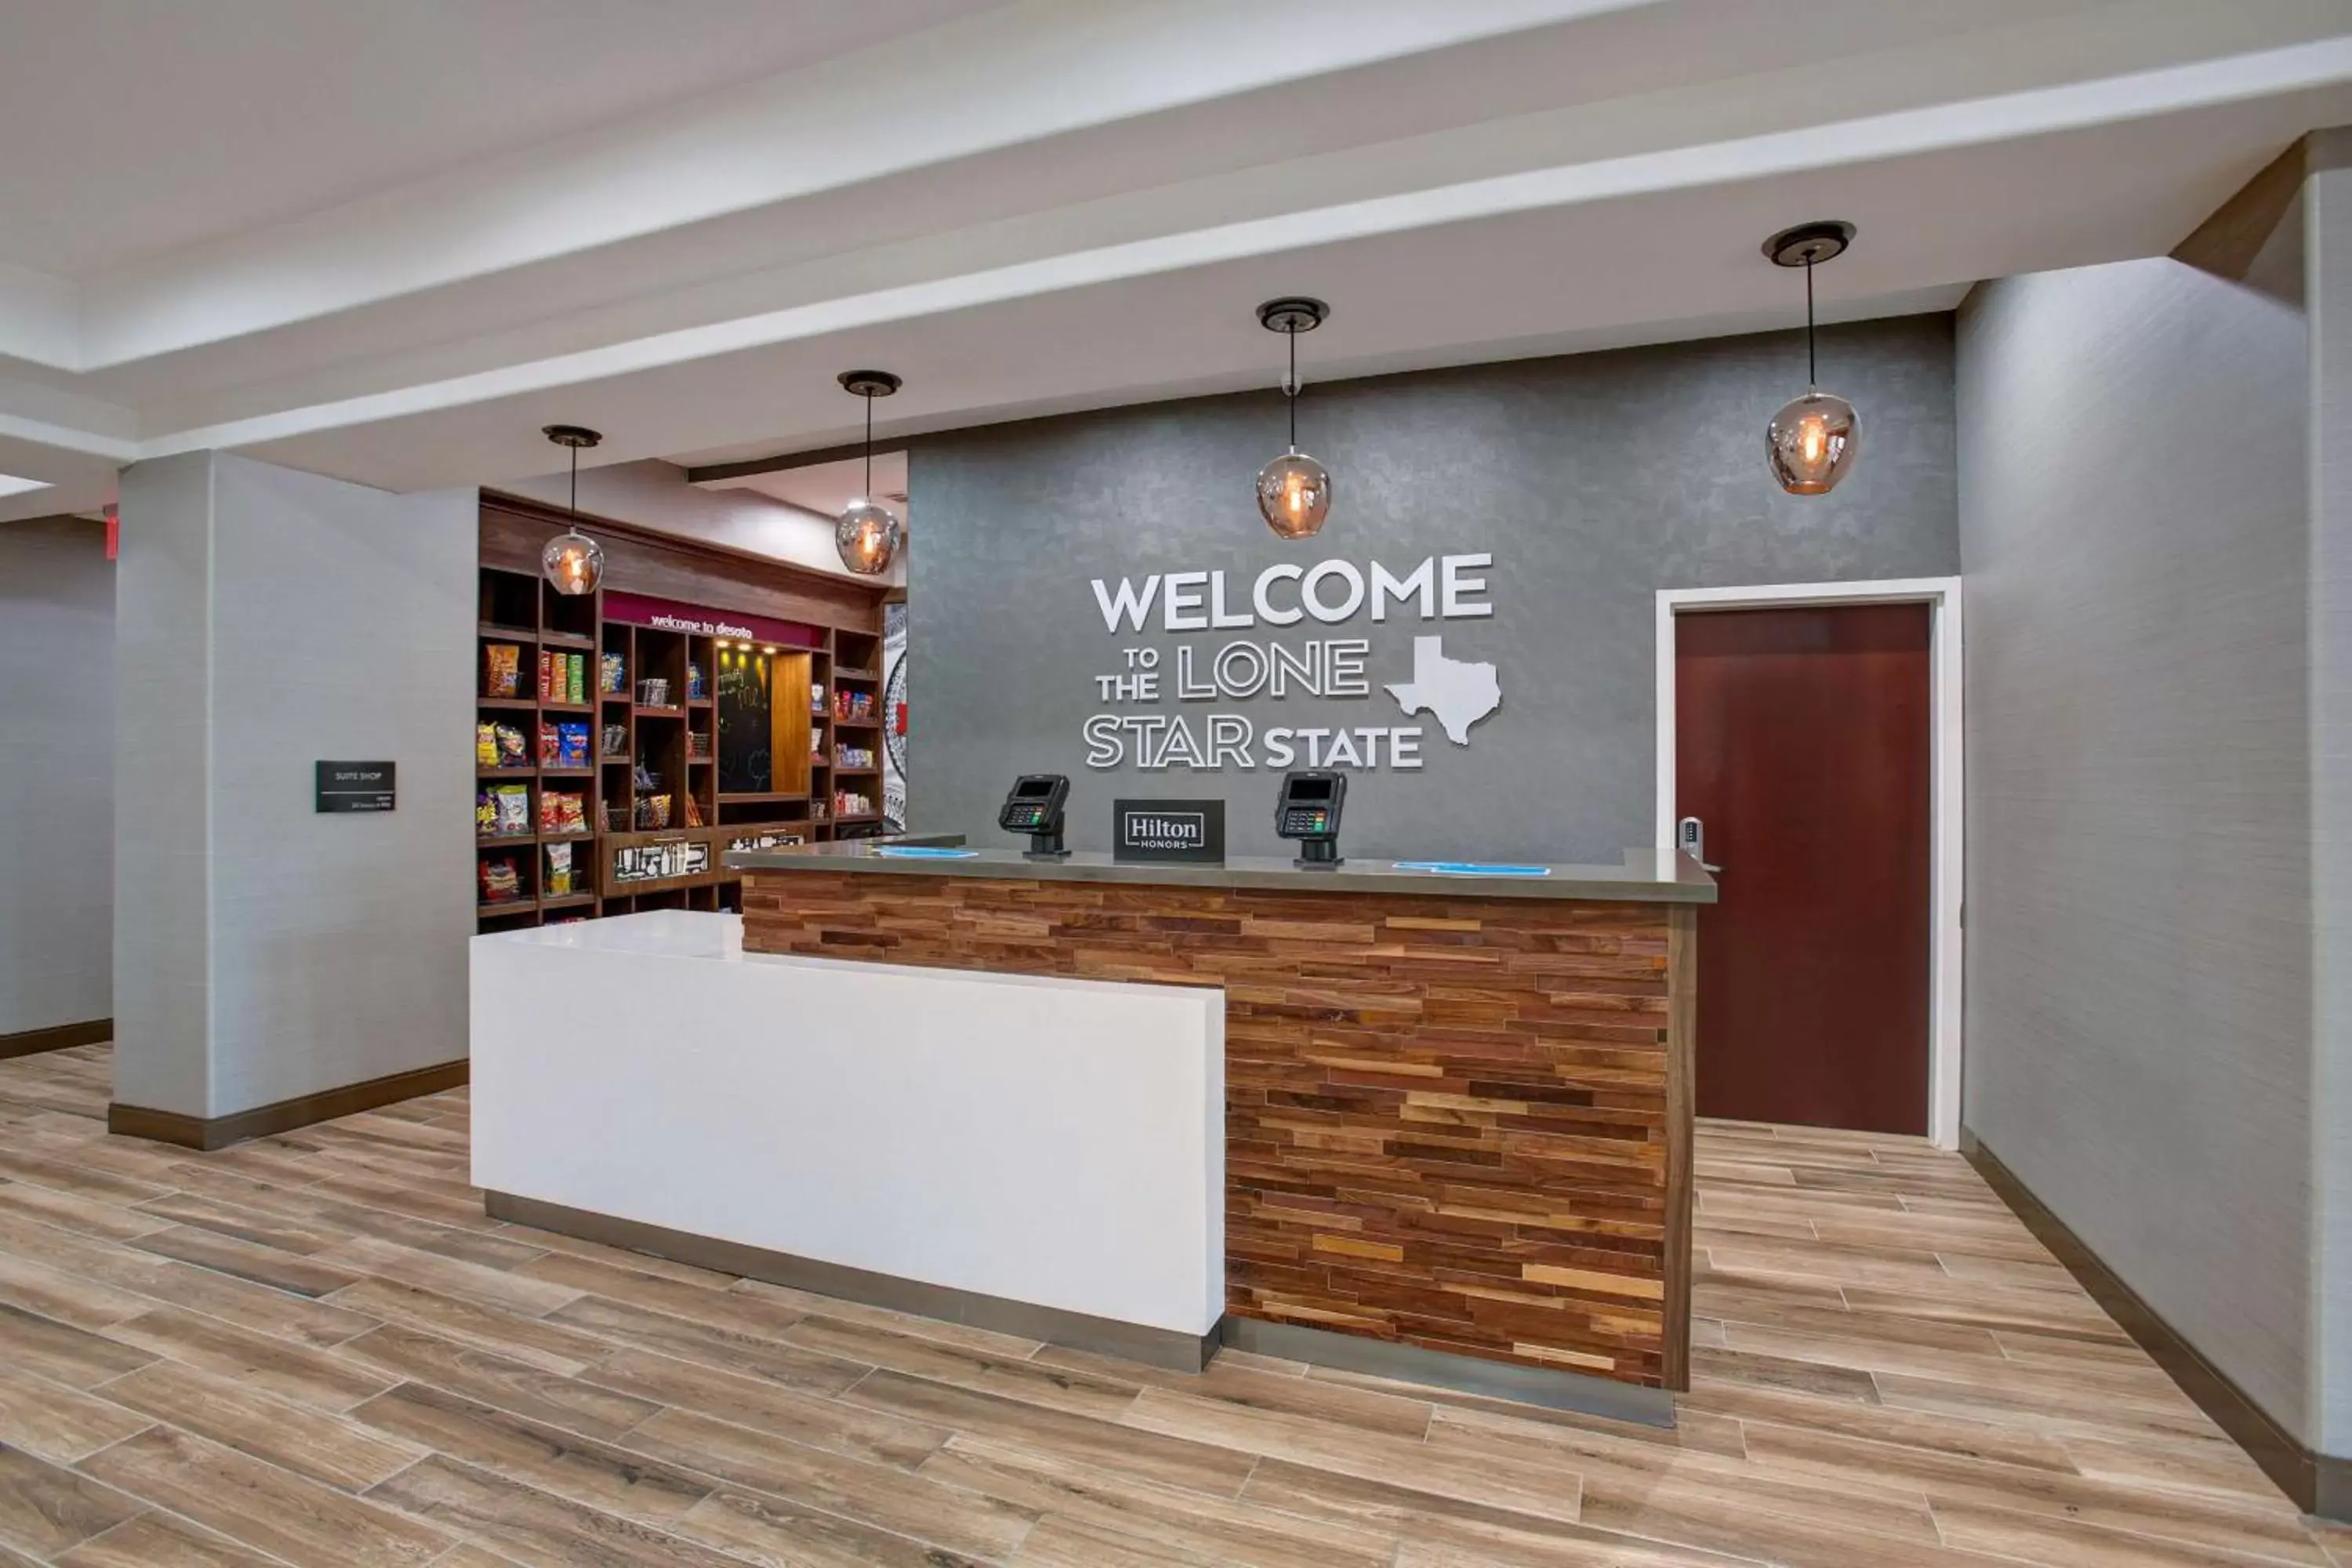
[673, 747]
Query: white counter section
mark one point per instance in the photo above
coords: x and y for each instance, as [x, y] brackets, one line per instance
[1054, 1143]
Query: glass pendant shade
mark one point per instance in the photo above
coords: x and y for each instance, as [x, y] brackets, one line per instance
[1811, 443]
[573, 564]
[1293, 494]
[867, 537]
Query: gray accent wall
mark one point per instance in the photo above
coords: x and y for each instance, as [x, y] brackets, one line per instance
[1592, 481]
[2136, 543]
[272, 619]
[57, 774]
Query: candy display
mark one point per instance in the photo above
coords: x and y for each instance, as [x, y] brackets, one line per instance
[852, 803]
[853, 757]
[856, 706]
[502, 669]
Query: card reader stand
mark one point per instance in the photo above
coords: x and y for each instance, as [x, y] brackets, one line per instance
[1034, 807]
[1307, 811]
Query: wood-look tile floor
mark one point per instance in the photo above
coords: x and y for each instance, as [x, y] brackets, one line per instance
[315, 1349]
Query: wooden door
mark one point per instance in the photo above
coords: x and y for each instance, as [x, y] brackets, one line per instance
[1801, 742]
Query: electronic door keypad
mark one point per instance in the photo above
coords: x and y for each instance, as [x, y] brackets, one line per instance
[1308, 811]
[1034, 807]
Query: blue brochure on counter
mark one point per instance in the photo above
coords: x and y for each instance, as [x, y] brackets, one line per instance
[924, 852]
[1470, 868]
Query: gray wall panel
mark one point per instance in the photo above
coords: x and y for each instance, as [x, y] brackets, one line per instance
[1593, 480]
[2134, 529]
[57, 774]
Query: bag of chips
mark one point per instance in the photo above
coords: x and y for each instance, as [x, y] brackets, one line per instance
[486, 745]
[514, 808]
[502, 669]
[486, 815]
[559, 870]
[513, 751]
[501, 883]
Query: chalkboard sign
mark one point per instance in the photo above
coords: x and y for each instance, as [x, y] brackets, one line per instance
[747, 757]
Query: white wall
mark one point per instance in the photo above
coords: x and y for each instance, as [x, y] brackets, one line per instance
[57, 774]
[312, 619]
[2328, 274]
[2134, 532]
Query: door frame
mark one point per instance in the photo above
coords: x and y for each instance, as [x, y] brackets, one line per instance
[1947, 813]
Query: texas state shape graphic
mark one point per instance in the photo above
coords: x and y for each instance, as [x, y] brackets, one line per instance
[1459, 694]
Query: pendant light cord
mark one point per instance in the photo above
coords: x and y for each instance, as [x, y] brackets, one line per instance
[1813, 372]
[869, 446]
[1290, 387]
[575, 489]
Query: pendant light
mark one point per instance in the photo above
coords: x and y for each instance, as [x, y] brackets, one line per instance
[867, 533]
[1812, 441]
[572, 562]
[1294, 492]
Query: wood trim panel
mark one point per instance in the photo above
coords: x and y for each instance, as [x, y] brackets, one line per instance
[56, 1037]
[2316, 1483]
[1449, 1121]
[640, 559]
[1682, 1098]
[285, 1115]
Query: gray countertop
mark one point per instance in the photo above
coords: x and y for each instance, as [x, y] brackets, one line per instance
[1645, 876]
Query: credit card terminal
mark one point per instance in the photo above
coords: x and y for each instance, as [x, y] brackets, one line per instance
[1308, 811]
[1034, 807]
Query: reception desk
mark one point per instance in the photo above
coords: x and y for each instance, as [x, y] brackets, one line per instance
[1457, 1107]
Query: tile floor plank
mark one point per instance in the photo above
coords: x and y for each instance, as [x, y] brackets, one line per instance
[317, 1348]
[264, 1507]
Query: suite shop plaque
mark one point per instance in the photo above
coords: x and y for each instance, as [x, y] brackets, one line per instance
[354, 786]
[1182, 830]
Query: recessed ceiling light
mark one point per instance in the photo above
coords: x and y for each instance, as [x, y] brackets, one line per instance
[10, 485]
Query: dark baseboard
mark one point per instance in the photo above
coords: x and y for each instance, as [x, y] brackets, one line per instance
[220, 1131]
[58, 1037]
[2316, 1483]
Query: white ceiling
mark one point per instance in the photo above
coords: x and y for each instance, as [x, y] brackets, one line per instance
[138, 127]
[389, 242]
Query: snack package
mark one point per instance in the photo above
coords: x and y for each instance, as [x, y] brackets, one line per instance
[545, 665]
[573, 813]
[546, 745]
[559, 870]
[693, 813]
[486, 745]
[616, 740]
[576, 683]
[693, 681]
[614, 675]
[485, 814]
[502, 669]
[501, 883]
[571, 743]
